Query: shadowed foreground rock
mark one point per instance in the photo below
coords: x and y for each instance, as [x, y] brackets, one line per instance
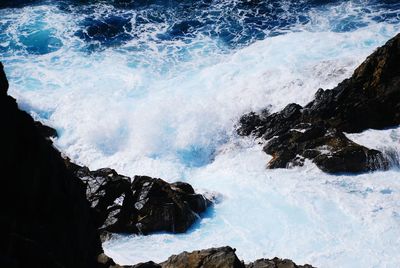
[223, 257]
[369, 99]
[45, 219]
[140, 205]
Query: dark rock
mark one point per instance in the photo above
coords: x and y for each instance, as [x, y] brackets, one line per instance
[223, 257]
[3, 82]
[140, 205]
[369, 99]
[330, 150]
[149, 264]
[46, 131]
[275, 263]
[250, 124]
[183, 186]
[45, 219]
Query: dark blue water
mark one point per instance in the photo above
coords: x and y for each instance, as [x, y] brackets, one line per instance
[235, 24]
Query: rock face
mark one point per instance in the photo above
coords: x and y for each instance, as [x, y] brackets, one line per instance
[141, 205]
[223, 257]
[276, 263]
[45, 218]
[369, 99]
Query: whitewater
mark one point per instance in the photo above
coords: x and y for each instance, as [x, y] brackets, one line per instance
[157, 89]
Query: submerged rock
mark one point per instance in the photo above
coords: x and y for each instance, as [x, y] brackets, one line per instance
[140, 205]
[369, 99]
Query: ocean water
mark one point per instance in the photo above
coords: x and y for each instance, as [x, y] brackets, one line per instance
[157, 87]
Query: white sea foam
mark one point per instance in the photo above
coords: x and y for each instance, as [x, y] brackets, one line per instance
[386, 141]
[173, 116]
[133, 119]
[312, 217]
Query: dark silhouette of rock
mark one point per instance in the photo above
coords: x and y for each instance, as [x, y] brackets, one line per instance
[3, 81]
[149, 264]
[45, 218]
[46, 131]
[140, 205]
[369, 99]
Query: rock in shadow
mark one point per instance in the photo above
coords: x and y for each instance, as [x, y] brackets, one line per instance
[46, 220]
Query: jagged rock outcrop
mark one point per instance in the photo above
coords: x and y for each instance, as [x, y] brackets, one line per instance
[45, 219]
[140, 205]
[369, 99]
[223, 257]
[276, 263]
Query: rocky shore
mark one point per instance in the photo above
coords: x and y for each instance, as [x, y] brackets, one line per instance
[54, 211]
[369, 99]
[223, 257]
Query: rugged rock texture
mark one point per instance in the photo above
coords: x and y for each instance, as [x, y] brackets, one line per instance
[275, 263]
[369, 99]
[45, 219]
[140, 205]
[223, 257]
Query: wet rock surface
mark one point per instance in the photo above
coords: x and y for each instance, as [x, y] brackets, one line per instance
[369, 99]
[140, 205]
